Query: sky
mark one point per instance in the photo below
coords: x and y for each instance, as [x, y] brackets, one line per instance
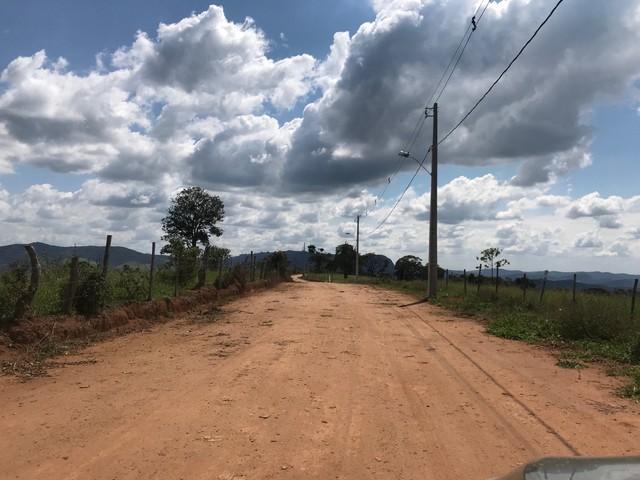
[293, 113]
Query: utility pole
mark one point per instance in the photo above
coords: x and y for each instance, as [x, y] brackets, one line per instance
[433, 209]
[357, 245]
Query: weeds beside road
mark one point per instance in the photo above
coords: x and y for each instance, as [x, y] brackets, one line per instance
[596, 328]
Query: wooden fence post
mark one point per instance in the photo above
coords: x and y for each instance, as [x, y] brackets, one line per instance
[151, 268]
[70, 294]
[525, 285]
[25, 301]
[464, 278]
[575, 276]
[479, 278]
[105, 258]
[497, 278]
[175, 277]
[633, 296]
[544, 284]
[202, 272]
[446, 279]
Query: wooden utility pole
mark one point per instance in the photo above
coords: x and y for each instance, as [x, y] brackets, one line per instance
[357, 246]
[105, 258]
[433, 209]
[151, 268]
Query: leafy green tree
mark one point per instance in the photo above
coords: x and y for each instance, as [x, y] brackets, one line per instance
[345, 259]
[320, 261]
[490, 258]
[193, 216]
[278, 262]
[409, 267]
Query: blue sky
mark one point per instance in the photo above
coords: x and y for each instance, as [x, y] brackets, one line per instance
[298, 130]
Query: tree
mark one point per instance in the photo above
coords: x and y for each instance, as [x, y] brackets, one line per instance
[192, 217]
[489, 258]
[278, 263]
[345, 259]
[409, 267]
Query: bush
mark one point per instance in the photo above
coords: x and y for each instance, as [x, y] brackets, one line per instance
[132, 284]
[92, 294]
[13, 285]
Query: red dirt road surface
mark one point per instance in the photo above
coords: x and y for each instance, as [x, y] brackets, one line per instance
[308, 380]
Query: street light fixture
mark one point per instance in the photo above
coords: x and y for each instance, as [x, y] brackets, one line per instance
[405, 154]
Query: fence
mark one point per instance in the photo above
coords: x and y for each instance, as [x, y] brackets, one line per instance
[88, 287]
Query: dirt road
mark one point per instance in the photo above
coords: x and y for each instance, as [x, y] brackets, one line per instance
[307, 380]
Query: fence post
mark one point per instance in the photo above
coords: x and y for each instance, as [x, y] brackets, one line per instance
[202, 272]
[25, 301]
[253, 269]
[633, 296]
[105, 258]
[70, 294]
[575, 276]
[497, 278]
[479, 278]
[525, 285]
[464, 278]
[544, 284]
[446, 279]
[175, 276]
[220, 268]
[151, 268]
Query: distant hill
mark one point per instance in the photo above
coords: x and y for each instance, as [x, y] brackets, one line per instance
[11, 254]
[610, 281]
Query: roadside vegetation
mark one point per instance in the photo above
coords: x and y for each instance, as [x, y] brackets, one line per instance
[596, 328]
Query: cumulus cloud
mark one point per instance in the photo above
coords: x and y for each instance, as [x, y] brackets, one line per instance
[588, 240]
[201, 101]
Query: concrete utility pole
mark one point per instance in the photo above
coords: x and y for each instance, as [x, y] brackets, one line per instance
[433, 210]
[357, 245]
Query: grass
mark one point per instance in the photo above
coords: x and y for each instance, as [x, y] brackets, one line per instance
[596, 328]
[123, 286]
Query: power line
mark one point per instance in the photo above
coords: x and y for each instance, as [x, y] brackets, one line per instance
[502, 74]
[384, 220]
[463, 49]
[417, 129]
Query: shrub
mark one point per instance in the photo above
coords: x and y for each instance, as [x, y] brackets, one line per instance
[132, 284]
[13, 285]
[92, 294]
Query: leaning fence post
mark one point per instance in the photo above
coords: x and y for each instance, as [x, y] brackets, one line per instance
[151, 268]
[105, 258]
[72, 286]
[464, 278]
[25, 301]
[479, 278]
[544, 284]
[575, 276]
[633, 296]
[525, 284]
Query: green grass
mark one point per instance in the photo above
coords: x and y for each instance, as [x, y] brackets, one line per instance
[123, 287]
[596, 328]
